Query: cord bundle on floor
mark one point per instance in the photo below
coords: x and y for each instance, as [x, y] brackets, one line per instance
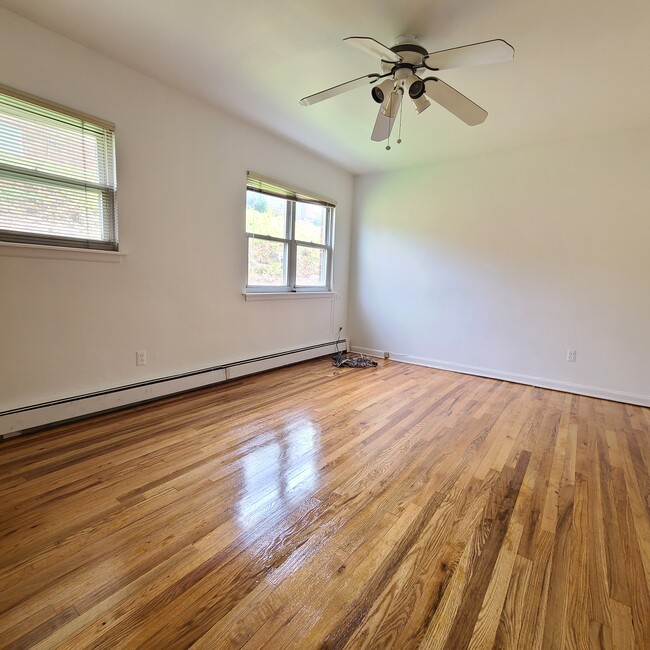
[353, 360]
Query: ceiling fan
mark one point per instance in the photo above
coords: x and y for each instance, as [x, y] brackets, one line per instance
[405, 69]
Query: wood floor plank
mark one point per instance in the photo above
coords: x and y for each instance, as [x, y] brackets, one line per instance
[545, 428]
[444, 608]
[599, 585]
[491, 614]
[640, 514]
[535, 583]
[622, 630]
[555, 623]
[577, 629]
[462, 630]
[510, 623]
[394, 507]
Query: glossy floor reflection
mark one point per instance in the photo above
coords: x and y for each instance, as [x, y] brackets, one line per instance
[280, 472]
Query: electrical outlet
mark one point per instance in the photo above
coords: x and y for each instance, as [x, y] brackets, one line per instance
[141, 358]
[571, 355]
[386, 355]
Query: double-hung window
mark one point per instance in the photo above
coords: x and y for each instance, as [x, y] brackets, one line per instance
[57, 175]
[289, 235]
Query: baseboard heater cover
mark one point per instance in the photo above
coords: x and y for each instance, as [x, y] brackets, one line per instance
[16, 421]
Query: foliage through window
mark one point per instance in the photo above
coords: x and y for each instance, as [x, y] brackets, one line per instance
[57, 175]
[289, 238]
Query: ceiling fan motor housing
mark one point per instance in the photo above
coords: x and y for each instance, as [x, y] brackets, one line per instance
[411, 53]
[403, 73]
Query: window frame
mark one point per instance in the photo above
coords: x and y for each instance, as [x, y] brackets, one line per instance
[108, 193]
[292, 198]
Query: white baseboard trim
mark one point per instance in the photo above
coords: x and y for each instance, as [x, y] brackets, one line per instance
[541, 382]
[16, 421]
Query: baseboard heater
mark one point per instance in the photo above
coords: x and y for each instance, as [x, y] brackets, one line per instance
[19, 420]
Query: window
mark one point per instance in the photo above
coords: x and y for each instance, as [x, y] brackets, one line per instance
[57, 175]
[289, 237]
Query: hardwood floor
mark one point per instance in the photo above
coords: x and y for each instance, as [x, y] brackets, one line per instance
[310, 507]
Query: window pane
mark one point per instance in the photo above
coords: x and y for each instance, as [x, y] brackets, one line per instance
[267, 263]
[266, 215]
[31, 206]
[311, 266]
[311, 223]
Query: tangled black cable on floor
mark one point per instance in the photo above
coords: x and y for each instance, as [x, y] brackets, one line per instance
[351, 360]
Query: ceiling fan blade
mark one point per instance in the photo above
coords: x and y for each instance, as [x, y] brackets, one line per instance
[494, 51]
[455, 102]
[386, 116]
[373, 47]
[337, 90]
[383, 127]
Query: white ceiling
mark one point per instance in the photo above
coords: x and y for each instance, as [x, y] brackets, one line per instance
[581, 66]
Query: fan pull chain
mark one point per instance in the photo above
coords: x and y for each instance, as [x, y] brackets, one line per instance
[390, 128]
[399, 134]
[400, 110]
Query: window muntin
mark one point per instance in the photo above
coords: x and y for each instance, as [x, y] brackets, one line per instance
[289, 239]
[57, 175]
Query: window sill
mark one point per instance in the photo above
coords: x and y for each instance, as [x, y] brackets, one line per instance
[9, 249]
[287, 295]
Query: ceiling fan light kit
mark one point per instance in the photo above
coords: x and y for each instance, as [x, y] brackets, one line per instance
[406, 68]
[420, 104]
[379, 92]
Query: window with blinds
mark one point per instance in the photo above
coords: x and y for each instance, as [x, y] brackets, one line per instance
[57, 175]
[289, 235]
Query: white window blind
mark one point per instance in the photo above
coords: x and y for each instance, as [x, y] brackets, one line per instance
[258, 183]
[57, 175]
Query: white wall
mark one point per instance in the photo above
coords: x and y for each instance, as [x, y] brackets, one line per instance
[497, 265]
[68, 326]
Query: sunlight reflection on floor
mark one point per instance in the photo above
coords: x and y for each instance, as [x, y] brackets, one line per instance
[280, 472]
